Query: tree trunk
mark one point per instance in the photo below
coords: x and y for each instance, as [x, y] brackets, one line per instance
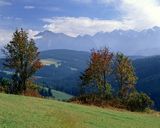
[104, 82]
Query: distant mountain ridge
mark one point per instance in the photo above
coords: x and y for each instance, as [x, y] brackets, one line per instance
[50, 40]
[130, 42]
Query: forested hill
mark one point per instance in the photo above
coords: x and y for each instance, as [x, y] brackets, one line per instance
[63, 68]
[148, 72]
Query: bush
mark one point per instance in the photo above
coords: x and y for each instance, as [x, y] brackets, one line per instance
[108, 93]
[4, 85]
[31, 90]
[138, 102]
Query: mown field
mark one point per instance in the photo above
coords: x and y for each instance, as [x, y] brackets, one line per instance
[29, 112]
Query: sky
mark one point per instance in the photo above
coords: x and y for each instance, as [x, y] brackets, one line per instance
[76, 17]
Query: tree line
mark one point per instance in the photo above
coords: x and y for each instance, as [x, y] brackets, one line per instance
[102, 65]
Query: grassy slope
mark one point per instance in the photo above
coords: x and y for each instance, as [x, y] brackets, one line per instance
[28, 112]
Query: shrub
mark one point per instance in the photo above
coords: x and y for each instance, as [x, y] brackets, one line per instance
[31, 90]
[108, 94]
[4, 85]
[138, 101]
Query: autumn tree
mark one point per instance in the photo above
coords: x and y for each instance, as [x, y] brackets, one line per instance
[22, 58]
[125, 75]
[98, 70]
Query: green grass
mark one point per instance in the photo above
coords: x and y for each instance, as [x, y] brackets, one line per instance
[58, 95]
[61, 95]
[28, 112]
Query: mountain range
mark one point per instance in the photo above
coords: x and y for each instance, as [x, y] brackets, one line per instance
[130, 42]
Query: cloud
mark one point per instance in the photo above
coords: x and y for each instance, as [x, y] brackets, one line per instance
[4, 3]
[29, 7]
[141, 14]
[10, 18]
[83, 25]
[5, 36]
[32, 33]
[134, 15]
[144, 14]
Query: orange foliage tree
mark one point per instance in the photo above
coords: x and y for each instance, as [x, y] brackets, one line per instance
[98, 69]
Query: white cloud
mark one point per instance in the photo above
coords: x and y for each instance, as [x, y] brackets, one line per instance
[141, 14]
[138, 15]
[32, 33]
[5, 36]
[144, 14]
[4, 3]
[29, 7]
[83, 25]
[10, 18]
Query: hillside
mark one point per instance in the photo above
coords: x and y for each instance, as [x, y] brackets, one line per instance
[71, 63]
[29, 112]
[63, 68]
[148, 72]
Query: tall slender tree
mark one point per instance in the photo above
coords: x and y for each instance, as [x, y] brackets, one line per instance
[125, 75]
[22, 57]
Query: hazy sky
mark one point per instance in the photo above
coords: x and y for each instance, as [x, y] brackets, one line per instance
[77, 17]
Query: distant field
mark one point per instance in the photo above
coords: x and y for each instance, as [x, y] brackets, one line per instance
[61, 95]
[50, 62]
[28, 112]
[58, 95]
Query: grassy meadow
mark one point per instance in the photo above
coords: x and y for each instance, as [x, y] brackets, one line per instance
[29, 112]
